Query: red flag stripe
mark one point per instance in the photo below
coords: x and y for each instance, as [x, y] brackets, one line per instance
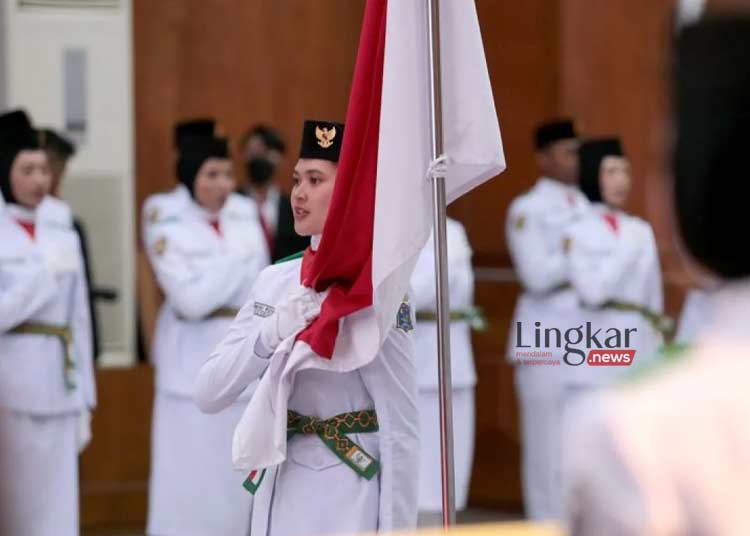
[343, 260]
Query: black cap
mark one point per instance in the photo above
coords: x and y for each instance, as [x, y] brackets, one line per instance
[550, 132]
[16, 135]
[712, 100]
[194, 151]
[56, 143]
[590, 155]
[192, 128]
[322, 140]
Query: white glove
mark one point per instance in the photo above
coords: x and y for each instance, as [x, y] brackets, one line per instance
[290, 317]
[84, 429]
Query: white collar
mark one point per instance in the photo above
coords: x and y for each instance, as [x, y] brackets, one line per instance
[192, 205]
[315, 241]
[18, 212]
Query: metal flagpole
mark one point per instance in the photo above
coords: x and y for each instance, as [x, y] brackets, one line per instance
[441, 269]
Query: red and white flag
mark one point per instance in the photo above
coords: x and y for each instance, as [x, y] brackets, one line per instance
[381, 210]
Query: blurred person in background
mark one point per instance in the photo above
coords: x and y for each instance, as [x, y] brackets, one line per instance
[535, 227]
[464, 378]
[59, 152]
[614, 267]
[47, 388]
[669, 452]
[206, 248]
[262, 149]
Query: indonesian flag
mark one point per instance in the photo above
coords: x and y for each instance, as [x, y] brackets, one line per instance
[381, 210]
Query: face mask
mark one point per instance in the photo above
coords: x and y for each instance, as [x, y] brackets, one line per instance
[260, 170]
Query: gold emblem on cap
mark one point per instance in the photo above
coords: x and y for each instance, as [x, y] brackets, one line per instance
[325, 136]
[41, 138]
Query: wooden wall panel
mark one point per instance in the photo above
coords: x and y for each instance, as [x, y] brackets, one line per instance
[242, 62]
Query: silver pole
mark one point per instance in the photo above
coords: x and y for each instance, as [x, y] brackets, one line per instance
[441, 271]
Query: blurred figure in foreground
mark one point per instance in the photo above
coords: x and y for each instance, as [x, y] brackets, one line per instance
[669, 452]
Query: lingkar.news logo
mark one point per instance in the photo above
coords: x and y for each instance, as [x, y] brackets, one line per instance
[597, 348]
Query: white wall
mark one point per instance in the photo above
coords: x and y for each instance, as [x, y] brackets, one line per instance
[99, 184]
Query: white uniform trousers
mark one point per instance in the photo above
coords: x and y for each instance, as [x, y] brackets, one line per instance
[194, 490]
[430, 481]
[541, 400]
[39, 474]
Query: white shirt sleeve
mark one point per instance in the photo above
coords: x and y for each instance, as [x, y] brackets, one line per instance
[23, 295]
[233, 365]
[538, 268]
[81, 327]
[193, 289]
[597, 275]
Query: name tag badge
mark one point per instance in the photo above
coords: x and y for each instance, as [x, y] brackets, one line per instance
[262, 310]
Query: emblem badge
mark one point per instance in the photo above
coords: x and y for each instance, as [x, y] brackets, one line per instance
[403, 317]
[325, 136]
[160, 246]
[520, 222]
[262, 310]
[153, 215]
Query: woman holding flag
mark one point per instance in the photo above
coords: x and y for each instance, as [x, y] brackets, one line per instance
[328, 334]
[352, 449]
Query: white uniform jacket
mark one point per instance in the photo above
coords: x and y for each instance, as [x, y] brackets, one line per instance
[313, 491]
[42, 281]
[199, 273]
[669, 453]
[535, 231]
[461, 298]
[615, 262]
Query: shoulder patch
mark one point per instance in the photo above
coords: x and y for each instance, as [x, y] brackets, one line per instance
[403, 317]
[292, 257]
[262, 310]
[520, 222]
[160, 246]
[152, 216]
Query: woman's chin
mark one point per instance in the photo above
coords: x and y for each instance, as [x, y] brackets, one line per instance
[302, 230]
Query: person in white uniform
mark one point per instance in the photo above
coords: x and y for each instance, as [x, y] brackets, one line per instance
[535, 226]
[206, 249]
[332, 483]
[464, 378]
[669, 453]
[614, 268]
[46, 366]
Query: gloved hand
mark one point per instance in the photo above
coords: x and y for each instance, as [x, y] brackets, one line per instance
[84, 429]
[290, 317]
